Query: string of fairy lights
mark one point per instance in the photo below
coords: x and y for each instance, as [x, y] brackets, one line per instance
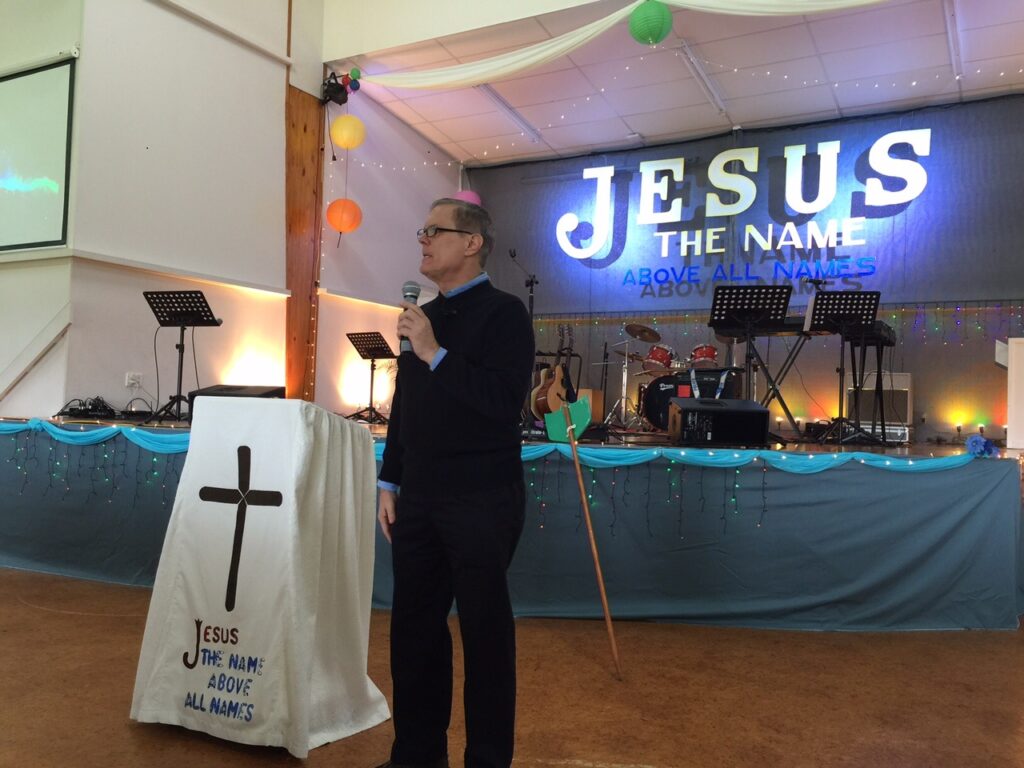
[35, 462]
[683, 492]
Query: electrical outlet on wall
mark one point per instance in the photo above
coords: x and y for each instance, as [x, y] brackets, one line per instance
[132, 379]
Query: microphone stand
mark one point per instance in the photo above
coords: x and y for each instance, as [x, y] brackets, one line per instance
[526, 421]
[531, 280]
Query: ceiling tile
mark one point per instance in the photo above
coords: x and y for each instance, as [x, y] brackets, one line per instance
[877, 25]
[587, 134]
[502, 148]
[987, 13]
[653, 98]
[700, 27]
[994, 73]
[681, 120]
[782, 76]
[991, 42]
[585, 109]
[616, 43]
[441, 105]
[538, 89]
[406, 57]
[930, 83]
[877, 60]
[769, 106]
[457, 152]
[403, 112]
[560, 22]
[658, 67]
[491, 40]
[783, 44]
[430, 132]
[477, 126]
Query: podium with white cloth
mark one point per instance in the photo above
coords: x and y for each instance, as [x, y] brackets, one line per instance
[258, 626]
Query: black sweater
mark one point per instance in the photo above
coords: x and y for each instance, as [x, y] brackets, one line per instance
[457, 427]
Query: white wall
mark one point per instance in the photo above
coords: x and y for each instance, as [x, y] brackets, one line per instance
[32, 31]
[342, 377]
[393, 178]
[178, 165]
[307, 72]
[113, 332]
[180, 143]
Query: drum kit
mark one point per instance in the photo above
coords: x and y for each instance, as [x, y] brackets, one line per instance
[664, 371]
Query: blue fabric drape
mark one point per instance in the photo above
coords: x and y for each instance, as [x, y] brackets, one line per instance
[174, 441]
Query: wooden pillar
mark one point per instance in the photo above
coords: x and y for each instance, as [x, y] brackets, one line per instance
[304, 133]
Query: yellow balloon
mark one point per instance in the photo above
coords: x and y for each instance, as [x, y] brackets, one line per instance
[348, 131]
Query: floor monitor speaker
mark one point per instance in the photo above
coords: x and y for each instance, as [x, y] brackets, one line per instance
[233, 390]
[709, 422]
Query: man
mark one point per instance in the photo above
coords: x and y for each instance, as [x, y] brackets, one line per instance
[453, 450]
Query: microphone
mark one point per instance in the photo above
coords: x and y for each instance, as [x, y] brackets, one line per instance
[816, 281]
[410, 292]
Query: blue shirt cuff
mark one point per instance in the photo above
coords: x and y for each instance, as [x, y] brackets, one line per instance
[386, 486]
[438, 358]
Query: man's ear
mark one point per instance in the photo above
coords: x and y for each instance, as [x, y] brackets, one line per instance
[476, 242]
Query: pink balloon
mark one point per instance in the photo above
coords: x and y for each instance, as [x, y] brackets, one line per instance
[468, 196]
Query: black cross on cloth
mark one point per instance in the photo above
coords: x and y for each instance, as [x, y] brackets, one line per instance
[243, 497]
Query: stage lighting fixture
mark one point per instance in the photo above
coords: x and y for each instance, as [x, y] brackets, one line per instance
[334, 91]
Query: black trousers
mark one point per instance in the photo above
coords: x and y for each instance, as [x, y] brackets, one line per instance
[456, 547]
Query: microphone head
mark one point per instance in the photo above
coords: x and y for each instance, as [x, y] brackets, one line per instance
[411, 291]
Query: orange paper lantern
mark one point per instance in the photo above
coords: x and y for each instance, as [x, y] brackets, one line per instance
[344, 215]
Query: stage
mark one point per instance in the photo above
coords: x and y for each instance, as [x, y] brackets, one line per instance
[784, 539]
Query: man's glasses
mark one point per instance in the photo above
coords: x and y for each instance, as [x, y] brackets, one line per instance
[433, 229]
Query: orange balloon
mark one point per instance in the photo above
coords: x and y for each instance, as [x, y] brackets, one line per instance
[344, 215]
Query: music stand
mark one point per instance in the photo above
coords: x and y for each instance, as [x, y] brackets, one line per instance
[845, 313]
[753, 307]
[371, 346]
[184, 309]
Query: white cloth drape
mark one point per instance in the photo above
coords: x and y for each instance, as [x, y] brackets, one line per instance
[283, 661]
[508, 64]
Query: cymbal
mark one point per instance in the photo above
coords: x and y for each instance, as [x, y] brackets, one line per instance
[643, 333]
[633, 356]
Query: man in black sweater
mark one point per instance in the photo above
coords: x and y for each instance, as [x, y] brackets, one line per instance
[453, 449]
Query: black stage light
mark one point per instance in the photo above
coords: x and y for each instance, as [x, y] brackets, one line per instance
[334, 91]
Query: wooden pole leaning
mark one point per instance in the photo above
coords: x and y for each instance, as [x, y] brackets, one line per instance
[570, 428]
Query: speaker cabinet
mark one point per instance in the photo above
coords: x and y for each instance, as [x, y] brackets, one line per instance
[233, 390]
[708, 422]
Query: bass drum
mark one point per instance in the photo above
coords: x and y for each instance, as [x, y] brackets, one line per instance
[657, 397]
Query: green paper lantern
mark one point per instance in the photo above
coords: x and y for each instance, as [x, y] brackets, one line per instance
[650, 22]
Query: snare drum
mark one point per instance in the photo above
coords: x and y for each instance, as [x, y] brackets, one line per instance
[704, 356]
[659, 357]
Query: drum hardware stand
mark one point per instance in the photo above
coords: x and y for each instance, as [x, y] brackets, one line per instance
[845, 312]
[749, 306]
[370, 346]
[623, 404]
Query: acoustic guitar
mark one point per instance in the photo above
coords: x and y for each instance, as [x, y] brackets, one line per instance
[555, 387]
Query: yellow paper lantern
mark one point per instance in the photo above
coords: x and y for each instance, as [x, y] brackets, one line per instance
[344, 215]
[347, 131]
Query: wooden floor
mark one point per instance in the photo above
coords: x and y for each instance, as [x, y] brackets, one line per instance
[691, 696]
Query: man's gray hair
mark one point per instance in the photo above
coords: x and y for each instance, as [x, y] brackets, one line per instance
[472, 218]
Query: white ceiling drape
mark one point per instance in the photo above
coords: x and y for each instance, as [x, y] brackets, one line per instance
[508, 64]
